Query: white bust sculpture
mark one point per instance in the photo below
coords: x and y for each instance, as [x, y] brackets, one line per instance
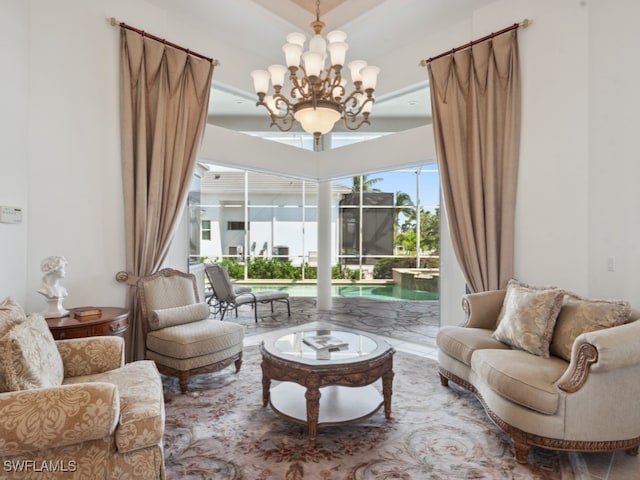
[53, 269]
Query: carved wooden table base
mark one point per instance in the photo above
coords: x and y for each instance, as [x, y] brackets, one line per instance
[313, 377]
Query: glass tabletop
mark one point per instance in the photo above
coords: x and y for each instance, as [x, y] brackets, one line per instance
[322, 346]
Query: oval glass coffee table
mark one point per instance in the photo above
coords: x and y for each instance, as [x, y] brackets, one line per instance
[326, 386]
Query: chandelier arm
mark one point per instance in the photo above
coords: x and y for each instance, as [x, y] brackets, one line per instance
[283, 127]
[364, 121]
[278, 101]
[352, 99]
[284, 122]
[300, 85]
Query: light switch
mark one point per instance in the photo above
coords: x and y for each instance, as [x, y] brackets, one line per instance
[10, 214]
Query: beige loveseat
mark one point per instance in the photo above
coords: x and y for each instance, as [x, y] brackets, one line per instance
[72, 409]
[552, 369]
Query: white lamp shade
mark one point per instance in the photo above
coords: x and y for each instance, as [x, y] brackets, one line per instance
[319, 120]
[336, 36]
[277, 74]
[368, 106]
[292, 52]
[260, 81]
[297, 38]
[369, 76]
[355, 67]
[318, 44]
[338, 51]
[313, 63]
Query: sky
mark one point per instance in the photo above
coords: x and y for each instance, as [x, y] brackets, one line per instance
[405, 181]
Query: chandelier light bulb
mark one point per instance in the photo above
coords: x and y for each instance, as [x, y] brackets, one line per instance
[260, 81]
[277, 73]
[318, 44]
[313, 63]
[271, 103]
[369, 77]
[336, 36]
[338, 52]
[292, 53]
[297, 38]
[355, 68]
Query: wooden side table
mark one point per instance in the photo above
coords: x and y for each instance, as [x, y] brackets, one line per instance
[112, 321]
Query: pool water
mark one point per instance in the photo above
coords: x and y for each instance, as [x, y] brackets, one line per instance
[377, 292]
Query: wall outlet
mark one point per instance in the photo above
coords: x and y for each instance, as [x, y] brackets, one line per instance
[611, 267]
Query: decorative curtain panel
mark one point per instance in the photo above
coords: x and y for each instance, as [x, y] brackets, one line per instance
[164, 97]
[475, 98]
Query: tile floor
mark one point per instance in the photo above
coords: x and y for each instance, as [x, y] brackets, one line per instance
[409, 327]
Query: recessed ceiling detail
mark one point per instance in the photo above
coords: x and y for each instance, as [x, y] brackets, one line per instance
[325, 5]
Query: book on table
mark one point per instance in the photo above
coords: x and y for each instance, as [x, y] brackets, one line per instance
[87, 312]
[325, 342]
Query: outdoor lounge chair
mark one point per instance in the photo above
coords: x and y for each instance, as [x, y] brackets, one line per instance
[212, 298]
[229, 298]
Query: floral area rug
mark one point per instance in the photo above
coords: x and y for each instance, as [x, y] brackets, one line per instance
[220, 431]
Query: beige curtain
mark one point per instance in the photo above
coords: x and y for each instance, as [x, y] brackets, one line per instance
[164, 96]
[475, 97]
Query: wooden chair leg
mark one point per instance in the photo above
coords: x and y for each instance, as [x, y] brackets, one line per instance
[522, 452]
[184, 381]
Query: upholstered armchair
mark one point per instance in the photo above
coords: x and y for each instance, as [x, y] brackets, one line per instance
[72, 409]
[180, 337]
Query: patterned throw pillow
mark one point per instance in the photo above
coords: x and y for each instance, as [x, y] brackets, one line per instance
[11, 313]
[582, 315]
[29, 356]
[528, 317]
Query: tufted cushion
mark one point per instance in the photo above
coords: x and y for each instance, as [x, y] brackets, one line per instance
[29, 356]
[528, 317]
[195, 339]
[582, 315]
[168, 317]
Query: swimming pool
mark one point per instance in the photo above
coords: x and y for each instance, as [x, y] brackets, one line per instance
[378, 292]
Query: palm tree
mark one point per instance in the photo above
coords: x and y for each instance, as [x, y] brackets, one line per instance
[362, 182]
[403, 205]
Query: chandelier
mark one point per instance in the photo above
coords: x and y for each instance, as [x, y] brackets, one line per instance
[318, 93]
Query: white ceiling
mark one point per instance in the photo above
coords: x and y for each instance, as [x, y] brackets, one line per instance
[375, 28]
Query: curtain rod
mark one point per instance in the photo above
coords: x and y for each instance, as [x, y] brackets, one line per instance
[113, 22]
[524, 24]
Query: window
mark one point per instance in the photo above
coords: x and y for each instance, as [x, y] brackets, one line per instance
[235, 225]
[205, 231]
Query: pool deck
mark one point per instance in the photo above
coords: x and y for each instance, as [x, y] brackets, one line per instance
[409, 321]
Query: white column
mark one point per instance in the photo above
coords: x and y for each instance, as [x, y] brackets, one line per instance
[324, 246]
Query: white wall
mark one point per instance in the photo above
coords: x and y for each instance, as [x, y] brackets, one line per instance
[614, 150]
[577, 199]
[14, 154]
